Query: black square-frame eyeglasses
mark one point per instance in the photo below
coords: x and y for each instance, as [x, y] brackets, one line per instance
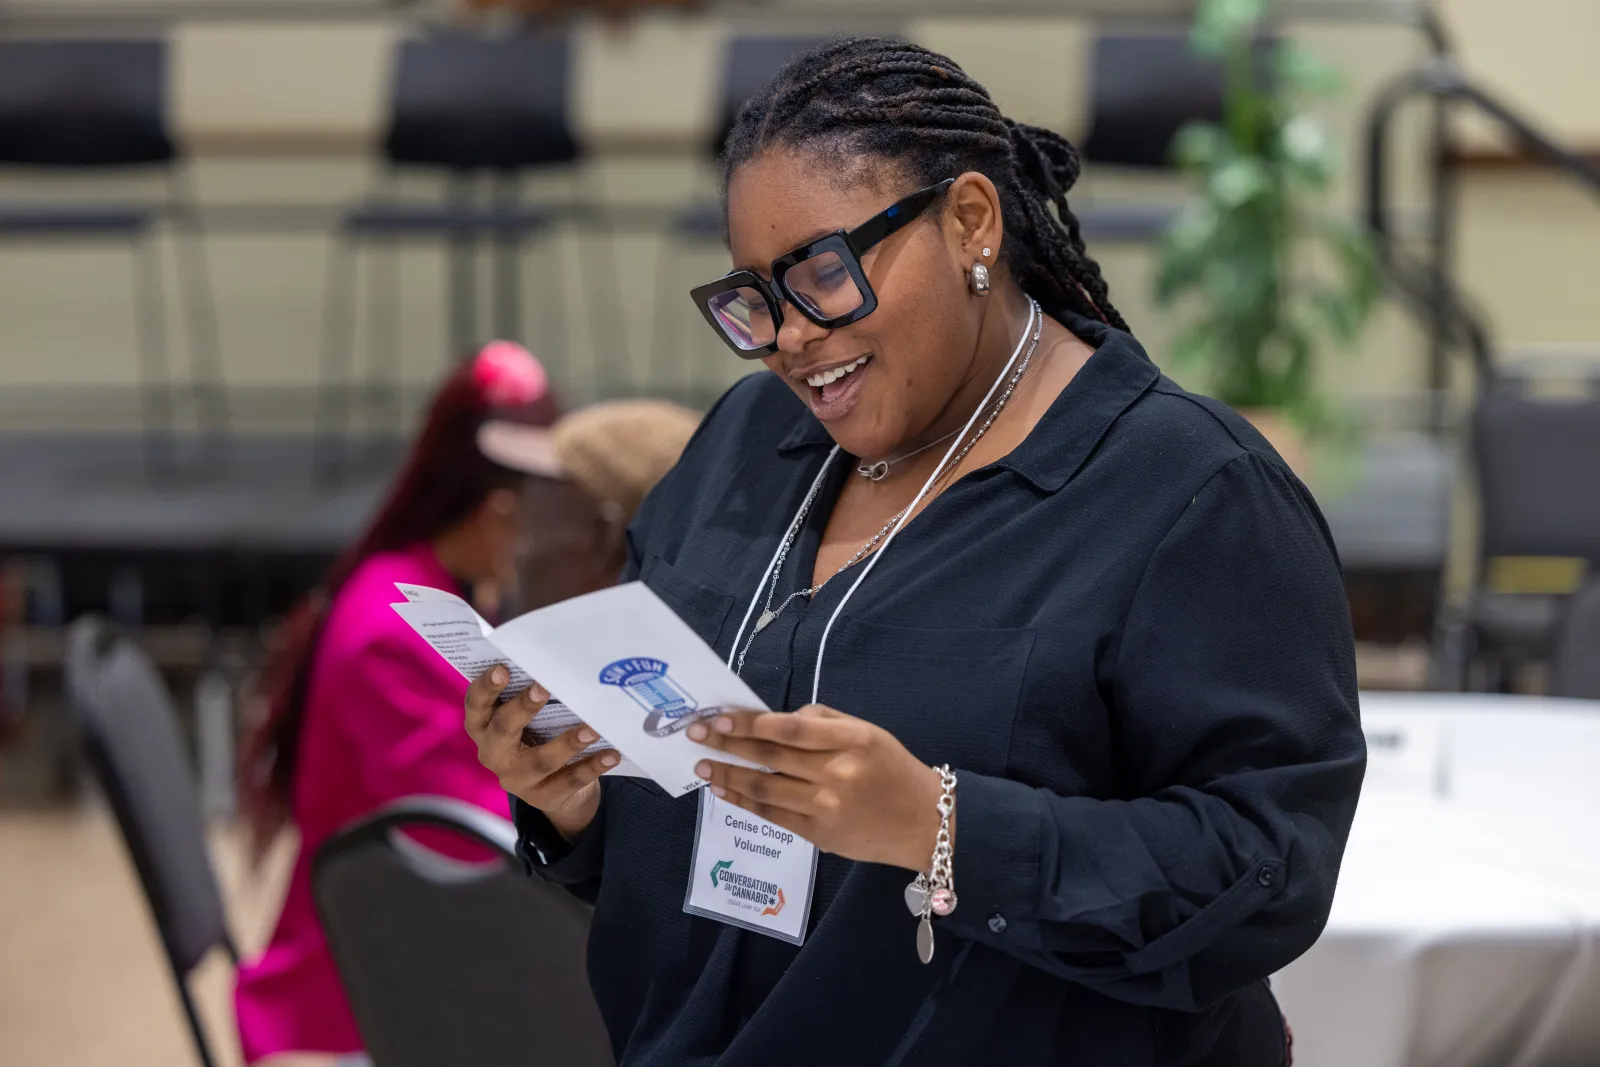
[822, 279]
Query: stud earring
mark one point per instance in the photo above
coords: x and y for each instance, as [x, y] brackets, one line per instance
[987, 253]
[978, 280]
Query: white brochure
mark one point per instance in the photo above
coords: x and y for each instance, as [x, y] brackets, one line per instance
[620, 660]
[462, 636]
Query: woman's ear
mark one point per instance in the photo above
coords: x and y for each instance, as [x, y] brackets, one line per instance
[975, 223]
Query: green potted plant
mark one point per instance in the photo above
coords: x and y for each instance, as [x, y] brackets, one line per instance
[1262, 274]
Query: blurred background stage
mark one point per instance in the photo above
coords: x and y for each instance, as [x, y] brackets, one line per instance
[211, 358]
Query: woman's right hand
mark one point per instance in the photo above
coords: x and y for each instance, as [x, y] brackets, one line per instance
[539, 775]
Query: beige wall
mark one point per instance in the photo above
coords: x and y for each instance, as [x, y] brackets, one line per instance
[1537, 54]
[65, 320]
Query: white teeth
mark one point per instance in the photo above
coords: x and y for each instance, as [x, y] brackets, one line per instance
[817, 381]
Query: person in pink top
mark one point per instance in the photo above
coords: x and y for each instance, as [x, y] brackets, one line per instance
[357, 710]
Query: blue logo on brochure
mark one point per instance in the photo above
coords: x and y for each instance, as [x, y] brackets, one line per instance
[670, 707]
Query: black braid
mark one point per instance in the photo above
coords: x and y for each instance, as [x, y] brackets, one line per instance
[873, 96]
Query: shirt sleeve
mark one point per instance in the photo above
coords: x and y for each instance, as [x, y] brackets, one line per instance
[1233, 696]
[547, 854]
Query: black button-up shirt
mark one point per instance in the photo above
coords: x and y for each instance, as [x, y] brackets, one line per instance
[1128, 637]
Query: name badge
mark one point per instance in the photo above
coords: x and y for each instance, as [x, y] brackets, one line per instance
[749, 872]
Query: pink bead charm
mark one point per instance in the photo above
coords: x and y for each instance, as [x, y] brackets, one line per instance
[944, 901]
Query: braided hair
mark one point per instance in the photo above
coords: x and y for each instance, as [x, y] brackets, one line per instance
[878, 97]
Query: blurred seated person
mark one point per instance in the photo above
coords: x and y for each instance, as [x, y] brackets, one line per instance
[357, 710]
[597, 465]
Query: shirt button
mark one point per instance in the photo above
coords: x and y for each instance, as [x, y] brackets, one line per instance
[997, 923]
[1266, 877]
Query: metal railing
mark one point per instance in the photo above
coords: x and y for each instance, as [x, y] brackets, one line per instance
[1430, 290]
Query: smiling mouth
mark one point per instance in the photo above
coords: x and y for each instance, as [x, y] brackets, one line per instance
[833, 392]
[822, 379]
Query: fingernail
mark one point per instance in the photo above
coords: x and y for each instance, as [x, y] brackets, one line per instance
[703, 769]
[718, 791]
[536, 692]
[610, 759]
[588, 736]
[499, 676]
[723, 724]
[697, 732]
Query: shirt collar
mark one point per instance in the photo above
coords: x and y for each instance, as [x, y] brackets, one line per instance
[1116, 375]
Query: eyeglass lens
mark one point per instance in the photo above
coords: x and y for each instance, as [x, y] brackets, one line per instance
[822, 285]
[744, 316]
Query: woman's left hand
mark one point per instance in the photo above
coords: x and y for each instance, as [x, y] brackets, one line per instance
[843, 784]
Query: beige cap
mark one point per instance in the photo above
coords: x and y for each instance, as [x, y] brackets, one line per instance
[615, 451]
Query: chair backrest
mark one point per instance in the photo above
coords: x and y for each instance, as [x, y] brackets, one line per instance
[130, 731]
[750, 62]
[1577, 661]
[452, 962]
[474, 103]
[1537, 459]
[84, 103]
[1143, 88]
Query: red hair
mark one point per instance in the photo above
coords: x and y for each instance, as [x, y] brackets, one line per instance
[443, 481]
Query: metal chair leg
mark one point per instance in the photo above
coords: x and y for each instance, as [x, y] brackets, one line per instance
[155, 372]
[507, 311]
[333, 389]
[611, 363]
[196, 1030]
[664, 339]
[198, 296]
[383, 363]
[463, 271]
[548, 335]
[601, 267]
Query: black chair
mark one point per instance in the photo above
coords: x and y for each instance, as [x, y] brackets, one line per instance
[99, 105]
[1577, 661]
[130, 734]
[480, 111]
[446, 961]
[749, 63]
[1143, 88]
[1539, 527]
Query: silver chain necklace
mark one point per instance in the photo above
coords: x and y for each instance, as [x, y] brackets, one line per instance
[769, 614]
[880, 470]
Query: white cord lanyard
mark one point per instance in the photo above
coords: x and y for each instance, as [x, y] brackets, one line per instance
[816, 486]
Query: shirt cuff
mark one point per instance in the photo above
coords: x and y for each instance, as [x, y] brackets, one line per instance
[546, 853]
[999, 840]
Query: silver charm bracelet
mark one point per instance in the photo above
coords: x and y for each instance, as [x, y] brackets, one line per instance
[934, 892]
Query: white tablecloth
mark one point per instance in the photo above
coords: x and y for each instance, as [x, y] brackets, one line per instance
[1466, 927]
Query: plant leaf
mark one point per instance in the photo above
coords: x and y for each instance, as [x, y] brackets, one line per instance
[1298, 69]
[1306, 150]
[1198, 145]
[1341, 312]
[1357, 258]
[1194, 347]
[1221, 24]
[1237, 181]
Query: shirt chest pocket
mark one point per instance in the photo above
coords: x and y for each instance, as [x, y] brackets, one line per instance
[949, 696]
[705, 610]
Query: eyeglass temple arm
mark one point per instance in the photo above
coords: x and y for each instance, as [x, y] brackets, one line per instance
[880, 226]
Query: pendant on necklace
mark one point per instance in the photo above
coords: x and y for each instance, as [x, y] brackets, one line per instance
[876, 471]
[925, 940]
[766, 620]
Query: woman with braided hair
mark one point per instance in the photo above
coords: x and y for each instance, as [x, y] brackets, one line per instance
[1065, 745]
